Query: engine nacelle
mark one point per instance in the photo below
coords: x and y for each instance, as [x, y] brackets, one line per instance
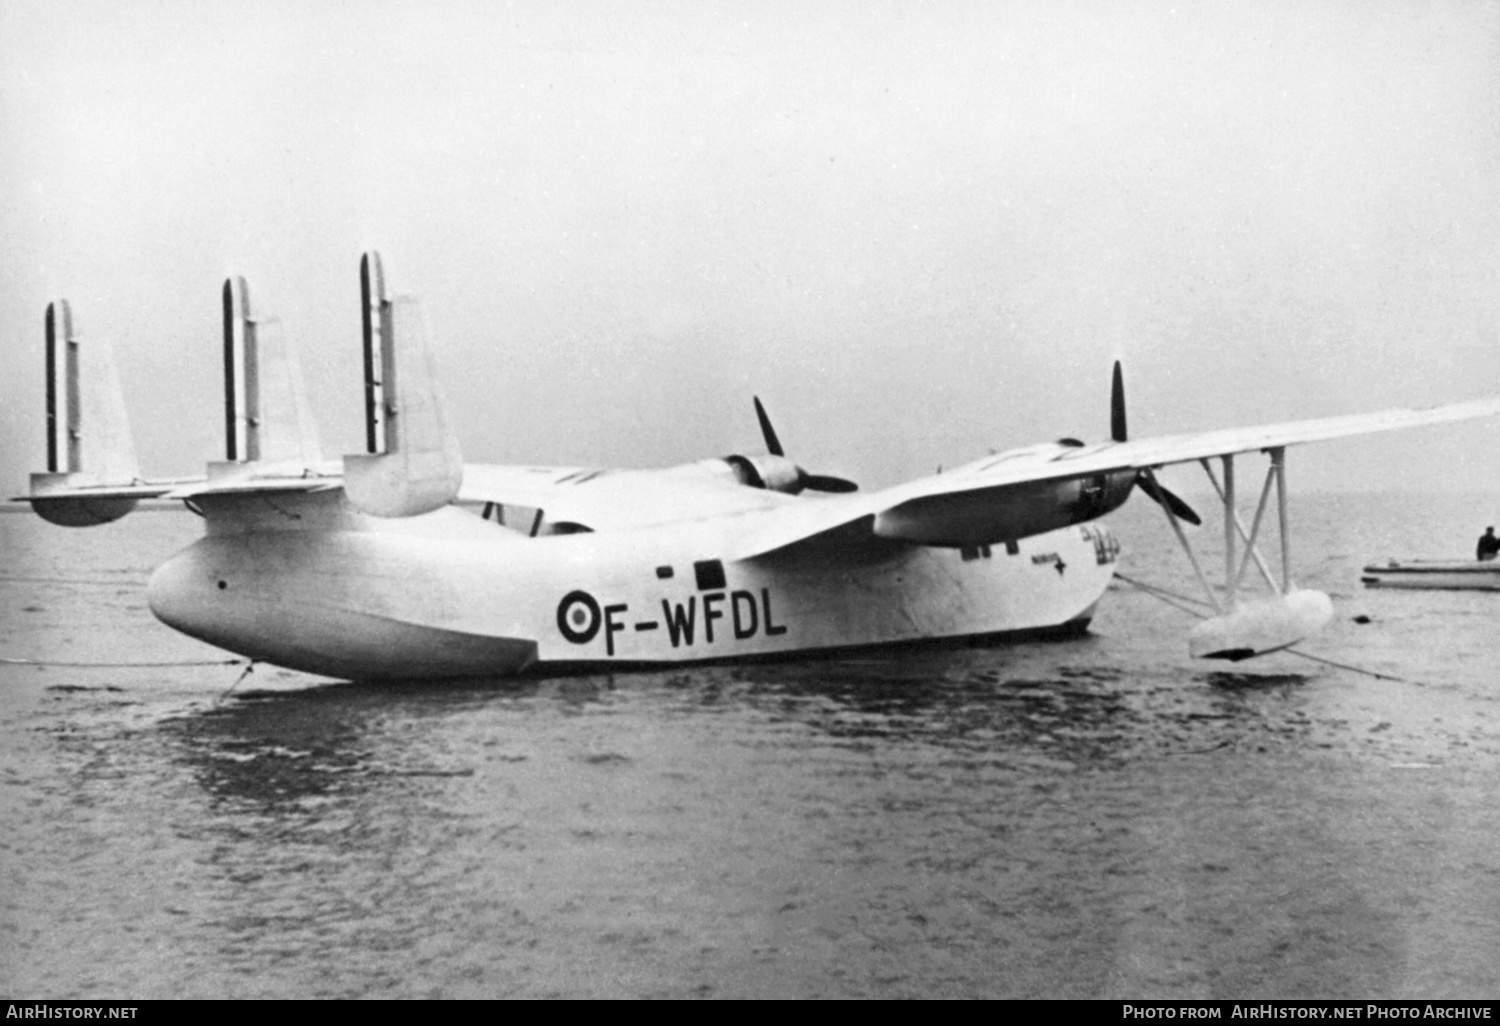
[989, 516]
[773, 473]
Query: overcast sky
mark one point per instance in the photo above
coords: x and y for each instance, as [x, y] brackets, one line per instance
[919, 231]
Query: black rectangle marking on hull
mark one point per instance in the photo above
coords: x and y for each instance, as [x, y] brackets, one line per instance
[710, 574]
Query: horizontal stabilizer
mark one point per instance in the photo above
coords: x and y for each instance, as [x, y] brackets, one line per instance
[415, 465]
[232, 479]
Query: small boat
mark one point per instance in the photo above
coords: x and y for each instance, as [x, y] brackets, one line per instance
[1435, 574]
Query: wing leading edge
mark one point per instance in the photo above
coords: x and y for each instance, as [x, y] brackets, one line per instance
[971, 494]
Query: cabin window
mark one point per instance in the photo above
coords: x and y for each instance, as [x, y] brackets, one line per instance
[710, 574]
[1012, 548]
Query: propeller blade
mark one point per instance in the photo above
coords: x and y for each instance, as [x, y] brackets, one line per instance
[773, 444]
[813, 482]
[1117, 406]
[1166, 499]
[826, 482]
[1145, 479]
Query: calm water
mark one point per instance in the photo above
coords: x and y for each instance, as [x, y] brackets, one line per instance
[1093, 818]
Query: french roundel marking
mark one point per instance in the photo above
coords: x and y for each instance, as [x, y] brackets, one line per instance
[578, 617]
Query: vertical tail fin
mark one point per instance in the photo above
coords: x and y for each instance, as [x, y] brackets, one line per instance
[372, 297]
[413, 465]
[89, 444]
[62, 390]
[266, 413]
[88, 431]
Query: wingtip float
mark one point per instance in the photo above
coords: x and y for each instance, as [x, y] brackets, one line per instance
[403, 562]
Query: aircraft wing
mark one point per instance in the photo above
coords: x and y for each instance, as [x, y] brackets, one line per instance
[969, 490]
[1185, 448]
[615, 499]
[42, 491]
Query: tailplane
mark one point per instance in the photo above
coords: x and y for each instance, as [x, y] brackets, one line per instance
[412, 466]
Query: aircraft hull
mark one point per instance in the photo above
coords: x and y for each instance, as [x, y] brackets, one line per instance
[440, 597]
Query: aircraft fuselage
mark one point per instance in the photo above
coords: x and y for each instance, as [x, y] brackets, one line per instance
[309, 584]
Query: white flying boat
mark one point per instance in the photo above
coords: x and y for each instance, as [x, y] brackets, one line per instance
[405, 563]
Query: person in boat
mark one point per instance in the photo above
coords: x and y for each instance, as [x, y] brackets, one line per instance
[1489, 545]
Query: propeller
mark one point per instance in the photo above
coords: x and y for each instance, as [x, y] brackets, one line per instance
[1145, 479]
[812, 482]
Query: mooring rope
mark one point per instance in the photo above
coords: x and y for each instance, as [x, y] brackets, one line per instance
[1356, 669]
[77, 665]
[1183, 603]
[11, 661]
[136, 580]
[249, 668]
[249, 665]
